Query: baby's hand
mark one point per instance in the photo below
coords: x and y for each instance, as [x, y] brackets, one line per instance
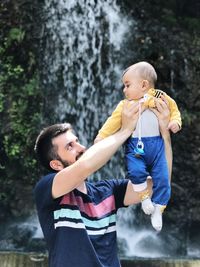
[173, 126]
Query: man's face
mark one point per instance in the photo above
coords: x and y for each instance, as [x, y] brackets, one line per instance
[68, 148]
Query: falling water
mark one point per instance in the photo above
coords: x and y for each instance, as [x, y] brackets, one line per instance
[139, 238]
[80, 55]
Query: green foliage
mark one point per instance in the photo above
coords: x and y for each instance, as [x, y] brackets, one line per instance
[20, 112]
[189, 118]
[1, 102]
[16, 35]
[169, 17]
[191, 24]
[20, 109]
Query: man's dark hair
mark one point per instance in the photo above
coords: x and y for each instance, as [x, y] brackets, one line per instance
[43, 146]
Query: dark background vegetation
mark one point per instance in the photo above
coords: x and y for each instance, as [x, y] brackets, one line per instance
[21, 102]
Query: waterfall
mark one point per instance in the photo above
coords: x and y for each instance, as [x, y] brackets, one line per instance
[138, 239]
[80, 65]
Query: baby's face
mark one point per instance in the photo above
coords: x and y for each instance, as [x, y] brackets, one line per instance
[133, 86]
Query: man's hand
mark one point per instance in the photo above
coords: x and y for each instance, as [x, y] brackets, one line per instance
[130, 115]
[163, 114]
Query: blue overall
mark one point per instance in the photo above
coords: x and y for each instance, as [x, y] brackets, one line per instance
[153, 163]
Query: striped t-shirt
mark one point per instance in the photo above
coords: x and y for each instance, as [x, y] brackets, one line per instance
[80, 229]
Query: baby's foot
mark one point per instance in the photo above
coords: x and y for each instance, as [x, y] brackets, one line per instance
[156, 217]
[147, 206]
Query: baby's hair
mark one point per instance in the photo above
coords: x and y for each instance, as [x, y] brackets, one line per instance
[125, 71]
[145, 70]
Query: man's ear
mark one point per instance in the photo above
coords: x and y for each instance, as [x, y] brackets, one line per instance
[56, 165]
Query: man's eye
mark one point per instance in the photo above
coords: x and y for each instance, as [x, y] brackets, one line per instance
[69, 147]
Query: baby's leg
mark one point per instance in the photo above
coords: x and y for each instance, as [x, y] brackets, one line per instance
[161, 187]
[137, 173]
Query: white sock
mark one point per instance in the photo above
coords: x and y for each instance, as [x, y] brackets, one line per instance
[156, 217]
[147, 206]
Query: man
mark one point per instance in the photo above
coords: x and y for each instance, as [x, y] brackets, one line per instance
[78, 218]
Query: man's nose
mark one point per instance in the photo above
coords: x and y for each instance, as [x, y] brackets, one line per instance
[81, 148]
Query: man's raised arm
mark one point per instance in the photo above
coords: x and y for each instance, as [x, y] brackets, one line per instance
[97, 155]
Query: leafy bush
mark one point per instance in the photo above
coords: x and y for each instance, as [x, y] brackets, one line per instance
[20, 111]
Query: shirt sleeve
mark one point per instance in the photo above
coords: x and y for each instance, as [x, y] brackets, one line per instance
[113, 123]
[119, 191]
[175, 114]
[43, 192]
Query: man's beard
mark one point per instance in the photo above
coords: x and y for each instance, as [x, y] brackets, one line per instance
[64, 162]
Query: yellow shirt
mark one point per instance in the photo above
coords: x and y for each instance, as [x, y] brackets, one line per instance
[113, 123]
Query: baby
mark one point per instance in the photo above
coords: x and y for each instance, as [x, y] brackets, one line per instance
[144, 150]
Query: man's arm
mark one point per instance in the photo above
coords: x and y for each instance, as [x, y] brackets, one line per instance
[162, 112]
[96, 156]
